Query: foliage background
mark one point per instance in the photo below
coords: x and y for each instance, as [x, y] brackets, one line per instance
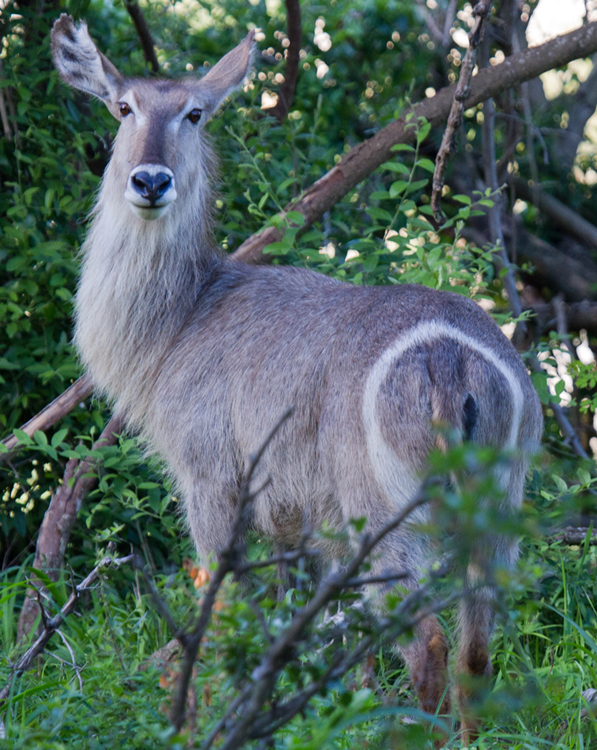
[382, 57]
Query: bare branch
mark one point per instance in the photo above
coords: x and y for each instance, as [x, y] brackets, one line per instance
[564, 424]
[574, 535]
[363, 159]
[579, 315]
[295, 32]
[59, 518]
[144, 34]
[558, 213]
[283, 557]
[4, 118]
[49, 415]
[52, 625]
[161, 605]
[463, 89]
[552, 268]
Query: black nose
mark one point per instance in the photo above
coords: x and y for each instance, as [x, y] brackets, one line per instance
[151, 186]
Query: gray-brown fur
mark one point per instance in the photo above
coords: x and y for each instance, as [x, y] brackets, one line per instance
[204, 355]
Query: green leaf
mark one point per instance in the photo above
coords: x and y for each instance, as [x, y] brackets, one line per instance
[402, 147]
[398, 187]
[296, 217]
[22, 437]
[426, 164]
[463, 199]
[423, 132]
[584, 476]
[40, 438]
[396, 166]
[560, 483]
[58, 437]
[16, 262]
[379, 213]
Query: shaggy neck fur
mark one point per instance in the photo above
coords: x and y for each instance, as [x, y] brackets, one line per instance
[140, 280]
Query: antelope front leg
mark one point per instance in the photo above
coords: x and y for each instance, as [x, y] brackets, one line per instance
[427, 661]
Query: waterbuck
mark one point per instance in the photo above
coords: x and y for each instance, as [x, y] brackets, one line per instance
[204, 354]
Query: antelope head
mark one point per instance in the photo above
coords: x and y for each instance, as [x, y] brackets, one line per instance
[159, 152]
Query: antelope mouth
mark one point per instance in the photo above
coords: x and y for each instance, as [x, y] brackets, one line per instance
[150, 190]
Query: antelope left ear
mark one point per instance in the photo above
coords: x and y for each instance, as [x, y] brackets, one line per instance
[228, 74]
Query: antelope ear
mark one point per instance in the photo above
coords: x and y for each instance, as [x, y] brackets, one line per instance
[228, 74]
[81, 64]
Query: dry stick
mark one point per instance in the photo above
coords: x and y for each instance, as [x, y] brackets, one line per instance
[287, 89]
[48, 416]
[11, 108]
[367, 156]
[59, 518]
[558, 213]
[52, 625]
[495, 219]
[448, 21]
[463, 89]
[4, 118]
[562, 325]
[574, 535]
[509, 282]
[579, 315]
[144, 34]
[226, 564]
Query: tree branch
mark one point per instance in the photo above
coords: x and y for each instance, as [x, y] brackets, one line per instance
[363, 159]
[49, 415]
[463, 89]
[59, 518]
[579, 316]
[558, 213]
[295, 32]
[144, 34]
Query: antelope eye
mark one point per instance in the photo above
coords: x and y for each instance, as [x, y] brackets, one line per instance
[194, 115]
[124, 109]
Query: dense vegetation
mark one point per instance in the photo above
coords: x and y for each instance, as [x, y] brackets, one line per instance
[361, 66]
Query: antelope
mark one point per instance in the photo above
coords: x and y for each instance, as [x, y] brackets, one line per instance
[203, 354]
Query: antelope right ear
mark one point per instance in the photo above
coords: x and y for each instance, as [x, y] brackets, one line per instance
[81, 64]
[228, 74]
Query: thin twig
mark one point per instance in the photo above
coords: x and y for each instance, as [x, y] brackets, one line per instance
[73, 664]
[368, 580]
[52, 625]
[161, 605]
[499, 255]
[283, 557]
[462, 93]
[4, 118]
